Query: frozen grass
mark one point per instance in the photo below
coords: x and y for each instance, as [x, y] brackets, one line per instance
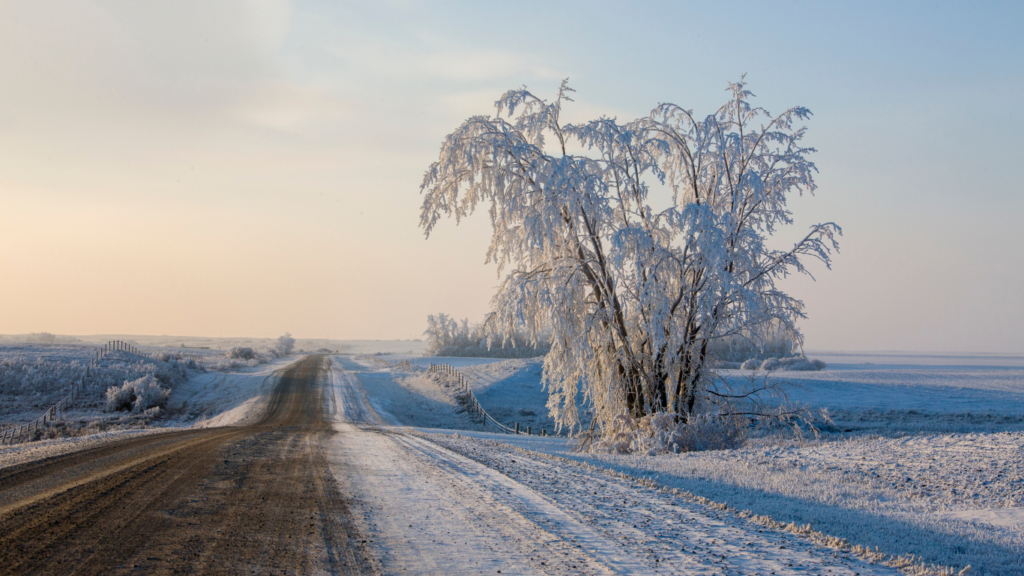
[35, 376]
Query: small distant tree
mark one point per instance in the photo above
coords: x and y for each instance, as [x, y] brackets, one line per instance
[284, 344]
[638, 245]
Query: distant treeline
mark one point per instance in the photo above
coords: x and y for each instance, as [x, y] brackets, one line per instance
[449, 337]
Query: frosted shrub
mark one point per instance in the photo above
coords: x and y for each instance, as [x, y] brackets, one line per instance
[284, 345]
[171, 373]
[666, 432]
[241, 353]
[137, 396]
[793, 363]
[149, 394]
[120, 398]
[21, 374]
[750, 364]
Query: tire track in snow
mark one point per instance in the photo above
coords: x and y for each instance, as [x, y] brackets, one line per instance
[425, 517]
[666, 534]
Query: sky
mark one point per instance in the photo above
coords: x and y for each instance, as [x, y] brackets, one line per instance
[246, 168]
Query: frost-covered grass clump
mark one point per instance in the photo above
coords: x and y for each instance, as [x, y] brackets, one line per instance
[138, 396]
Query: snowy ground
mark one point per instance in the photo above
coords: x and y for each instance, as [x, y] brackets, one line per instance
[452, 504]
[225, 399]
[933, 496]
[928, 459]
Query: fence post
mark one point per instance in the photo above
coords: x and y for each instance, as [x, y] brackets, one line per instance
[517, 427]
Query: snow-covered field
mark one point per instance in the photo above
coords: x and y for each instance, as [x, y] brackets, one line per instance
[891, 393]
[926, 458]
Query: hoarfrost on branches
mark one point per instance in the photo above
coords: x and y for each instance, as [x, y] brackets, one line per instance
[635, 291]
[284, 345]
[448, 337]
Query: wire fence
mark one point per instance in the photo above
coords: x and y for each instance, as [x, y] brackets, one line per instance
[25, 432]
[473, 404]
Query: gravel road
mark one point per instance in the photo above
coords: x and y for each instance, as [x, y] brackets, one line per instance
[254, 499]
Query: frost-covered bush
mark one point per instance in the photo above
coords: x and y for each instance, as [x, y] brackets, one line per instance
[666, 432]
[792, 364]
[448, 337]
[137, 396]
[35, 377]
[171, 373]
[241, 353]
[120, 398]
[750, 364]
[284, 345]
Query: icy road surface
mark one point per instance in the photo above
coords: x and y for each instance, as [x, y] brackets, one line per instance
[433, 504]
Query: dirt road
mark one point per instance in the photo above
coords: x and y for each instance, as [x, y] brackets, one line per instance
[258, 499]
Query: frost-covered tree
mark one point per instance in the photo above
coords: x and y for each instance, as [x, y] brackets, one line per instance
[638, 245]
[448, 337]
[284, 345]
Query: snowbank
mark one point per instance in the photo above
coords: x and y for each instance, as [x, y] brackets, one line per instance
[226, 399]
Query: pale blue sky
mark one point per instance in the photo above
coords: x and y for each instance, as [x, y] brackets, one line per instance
[245, 168]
